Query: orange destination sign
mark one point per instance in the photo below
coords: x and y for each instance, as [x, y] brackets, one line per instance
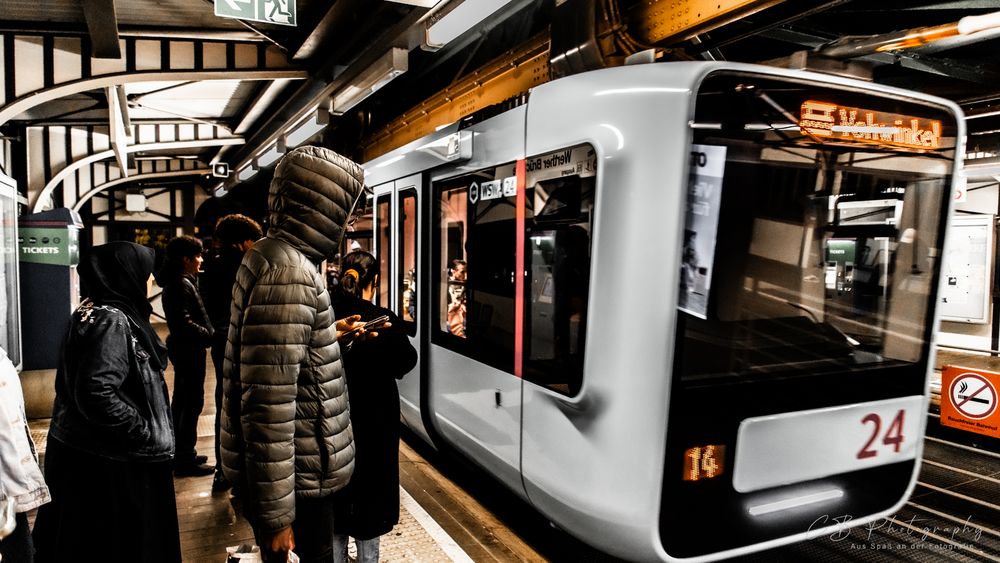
[842, 123]
[969, 400]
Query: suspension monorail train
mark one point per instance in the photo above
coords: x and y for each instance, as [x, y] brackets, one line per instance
[685, 310]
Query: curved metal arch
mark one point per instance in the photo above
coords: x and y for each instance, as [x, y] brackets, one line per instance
[58, 179]
[148, 176]
[38, 97]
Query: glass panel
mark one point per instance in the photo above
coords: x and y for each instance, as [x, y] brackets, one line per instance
[560, 201]
[383, 248]
[828, 240]
[475, 244]
[407, 289]
[453, 234]
[357, 236]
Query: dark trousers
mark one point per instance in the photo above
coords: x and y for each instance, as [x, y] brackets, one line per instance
[218, 357]
[17, 547]
[106, 510]
[189, 397]
[313, 528]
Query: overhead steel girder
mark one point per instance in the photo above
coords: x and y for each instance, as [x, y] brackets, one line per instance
[507, 76]
[672, 21]
[102, 22]
[49, 67]
[981, 74]
[147, 176]
[42, 199]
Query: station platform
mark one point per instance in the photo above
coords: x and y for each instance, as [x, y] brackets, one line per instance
[209, 523]
[439, 520]
[452, 512]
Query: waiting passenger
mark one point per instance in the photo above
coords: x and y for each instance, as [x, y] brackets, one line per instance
[22, 487]
[110, 441]
[369, 506]
[286, 432]
[234, 234]
[190, 334]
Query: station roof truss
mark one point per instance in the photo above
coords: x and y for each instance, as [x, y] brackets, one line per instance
[101, 94]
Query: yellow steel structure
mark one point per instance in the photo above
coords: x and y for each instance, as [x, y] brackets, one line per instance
[653, 22]
[507, 76]
[669, 21]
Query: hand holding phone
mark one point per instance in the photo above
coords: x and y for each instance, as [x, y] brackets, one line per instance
[376, 322]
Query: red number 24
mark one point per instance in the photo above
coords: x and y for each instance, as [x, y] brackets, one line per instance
[893, 436]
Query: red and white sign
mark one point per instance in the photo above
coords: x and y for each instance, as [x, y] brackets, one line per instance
[969, 400]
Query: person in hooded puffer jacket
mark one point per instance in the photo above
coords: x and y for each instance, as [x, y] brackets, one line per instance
[286, 432]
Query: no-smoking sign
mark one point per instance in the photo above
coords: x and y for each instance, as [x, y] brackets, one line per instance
[969, 400]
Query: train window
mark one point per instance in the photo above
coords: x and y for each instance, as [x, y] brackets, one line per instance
[474, 277]
[357, 236]
[560, 202]
[383, 247]
[813, 248]
[475, 236]
[407, 266]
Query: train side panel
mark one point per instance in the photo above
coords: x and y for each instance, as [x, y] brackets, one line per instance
[594, 462]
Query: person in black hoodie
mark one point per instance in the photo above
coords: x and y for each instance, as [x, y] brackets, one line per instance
[234, 235]
[190, 334]
[369, 506]
[110, 440]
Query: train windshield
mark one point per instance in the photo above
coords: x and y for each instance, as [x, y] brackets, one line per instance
[814, 228]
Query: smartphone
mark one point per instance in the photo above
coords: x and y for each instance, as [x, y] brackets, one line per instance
[376, 322]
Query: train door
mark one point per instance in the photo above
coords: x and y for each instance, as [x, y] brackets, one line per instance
[406, 279]
[394, 213]
[473, 390]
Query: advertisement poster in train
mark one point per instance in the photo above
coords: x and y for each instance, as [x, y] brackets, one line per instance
[965, 278]
[969, 400]
[701, 224]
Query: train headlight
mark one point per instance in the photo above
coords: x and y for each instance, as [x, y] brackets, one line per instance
[704, 462]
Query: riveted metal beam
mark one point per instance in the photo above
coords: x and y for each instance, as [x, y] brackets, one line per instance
[672, 21]
[507, 76]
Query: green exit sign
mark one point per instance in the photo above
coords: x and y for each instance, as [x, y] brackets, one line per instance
[281, 12]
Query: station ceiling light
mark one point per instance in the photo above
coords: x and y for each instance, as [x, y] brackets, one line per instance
[393, 63]
[314, 122]
[455, 22]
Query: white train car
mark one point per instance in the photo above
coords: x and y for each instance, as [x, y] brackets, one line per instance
[685, 310]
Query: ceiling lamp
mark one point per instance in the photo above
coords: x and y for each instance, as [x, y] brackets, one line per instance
[394, 62]
[442, 30]
[314, 122]
[247, 172]
[268, 157]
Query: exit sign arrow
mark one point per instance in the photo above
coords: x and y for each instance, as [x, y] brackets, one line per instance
[281, 12]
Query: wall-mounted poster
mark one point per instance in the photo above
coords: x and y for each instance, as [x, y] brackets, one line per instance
[700, 227]
[965, 270]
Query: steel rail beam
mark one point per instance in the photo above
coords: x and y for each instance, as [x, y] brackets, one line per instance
[43, 196]
[150, 176]
[50, 68]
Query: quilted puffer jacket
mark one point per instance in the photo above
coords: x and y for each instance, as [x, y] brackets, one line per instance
[286, 428]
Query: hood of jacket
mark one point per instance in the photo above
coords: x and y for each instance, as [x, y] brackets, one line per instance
[309, 200]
